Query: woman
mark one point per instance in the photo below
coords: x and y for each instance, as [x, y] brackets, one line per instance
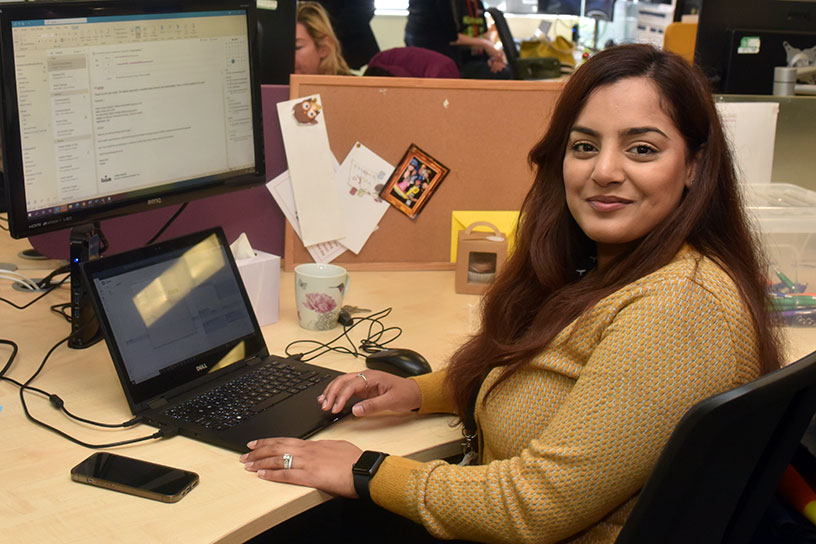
[636, 289]
[317, 50]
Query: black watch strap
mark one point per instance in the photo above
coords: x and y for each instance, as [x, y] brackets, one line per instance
[364, 469]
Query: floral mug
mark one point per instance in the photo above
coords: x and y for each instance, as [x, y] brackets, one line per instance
[319, 291]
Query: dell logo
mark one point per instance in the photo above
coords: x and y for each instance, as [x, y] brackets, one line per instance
[201, 367]
[152, 201]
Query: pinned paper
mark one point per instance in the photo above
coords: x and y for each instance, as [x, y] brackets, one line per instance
[281, 190]
[360, 179]
[303, 126]
[505, 221]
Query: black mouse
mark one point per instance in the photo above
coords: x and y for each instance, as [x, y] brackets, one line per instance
[400, 361]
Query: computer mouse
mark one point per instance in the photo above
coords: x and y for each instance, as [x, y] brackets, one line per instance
[400, 361]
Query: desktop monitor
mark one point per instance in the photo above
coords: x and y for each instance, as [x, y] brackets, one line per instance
[111, 107]
[740, 43]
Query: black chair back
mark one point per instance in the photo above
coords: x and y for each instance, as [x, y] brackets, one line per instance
[507, 41]
[721, 465]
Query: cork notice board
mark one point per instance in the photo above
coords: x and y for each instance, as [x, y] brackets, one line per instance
[481, 130]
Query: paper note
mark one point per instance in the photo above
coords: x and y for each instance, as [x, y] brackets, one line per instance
[359, 181]
[751, 131]
[281, 190]
[303, 126]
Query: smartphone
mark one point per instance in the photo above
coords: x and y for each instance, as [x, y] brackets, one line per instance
[141, 478]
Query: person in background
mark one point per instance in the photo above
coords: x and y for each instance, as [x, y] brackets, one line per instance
[317, 50]
[635, 290]
[457, 29]
[351, 20]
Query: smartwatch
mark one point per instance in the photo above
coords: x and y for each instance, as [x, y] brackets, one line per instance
[364, 469]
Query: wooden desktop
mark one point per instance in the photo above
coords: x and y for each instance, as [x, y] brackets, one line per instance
[41, 503]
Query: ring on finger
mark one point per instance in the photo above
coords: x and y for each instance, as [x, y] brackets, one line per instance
[287, 460]
[361, 375]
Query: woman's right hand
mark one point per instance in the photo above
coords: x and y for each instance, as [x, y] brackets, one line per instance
[381, 391]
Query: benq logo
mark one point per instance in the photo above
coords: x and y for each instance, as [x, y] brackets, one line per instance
[152, 201]
[201, 367]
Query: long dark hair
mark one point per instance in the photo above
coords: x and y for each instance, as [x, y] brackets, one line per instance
[538, 293]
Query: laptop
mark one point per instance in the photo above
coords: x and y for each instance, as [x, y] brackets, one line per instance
[188, 350]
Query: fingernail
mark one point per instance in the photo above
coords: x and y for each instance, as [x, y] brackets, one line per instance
[243, 457]
[357, 410]
[320, 398]
[252, 444]
[261, 473]
[249, 465]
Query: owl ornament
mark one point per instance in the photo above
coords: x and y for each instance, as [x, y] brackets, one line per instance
[306, 112]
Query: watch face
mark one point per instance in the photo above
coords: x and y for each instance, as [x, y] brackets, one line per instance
[367, 461]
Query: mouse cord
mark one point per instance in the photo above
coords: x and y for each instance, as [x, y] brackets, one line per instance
[373, 342]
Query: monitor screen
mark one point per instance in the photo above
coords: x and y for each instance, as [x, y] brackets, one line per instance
[740, 43]
[114, 107]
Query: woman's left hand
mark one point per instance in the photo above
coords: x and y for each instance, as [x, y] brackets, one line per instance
[322, 464]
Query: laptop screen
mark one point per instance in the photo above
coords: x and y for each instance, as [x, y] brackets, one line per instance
[173, 312]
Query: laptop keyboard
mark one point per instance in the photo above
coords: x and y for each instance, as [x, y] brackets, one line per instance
[238, 400]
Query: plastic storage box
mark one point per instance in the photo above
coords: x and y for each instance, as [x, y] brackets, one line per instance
[786, 221]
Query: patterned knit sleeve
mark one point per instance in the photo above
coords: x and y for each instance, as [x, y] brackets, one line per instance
[435, 396]
[664, 350]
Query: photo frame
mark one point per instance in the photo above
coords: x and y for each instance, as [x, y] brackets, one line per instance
[413, 181]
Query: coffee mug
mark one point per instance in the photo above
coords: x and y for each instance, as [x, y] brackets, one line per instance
[319, 291]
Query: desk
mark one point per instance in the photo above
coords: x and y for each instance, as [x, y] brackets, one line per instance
[40, 503]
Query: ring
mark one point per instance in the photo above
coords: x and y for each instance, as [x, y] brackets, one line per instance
[361, 375]
[287, 461]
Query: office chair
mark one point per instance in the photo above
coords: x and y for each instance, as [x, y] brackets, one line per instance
[721, 465]
[681, 38]
[507, 41]
[532, 68]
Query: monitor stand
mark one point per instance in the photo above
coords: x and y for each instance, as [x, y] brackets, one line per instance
[87, 243]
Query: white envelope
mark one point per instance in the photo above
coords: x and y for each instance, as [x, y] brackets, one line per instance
[359, 180]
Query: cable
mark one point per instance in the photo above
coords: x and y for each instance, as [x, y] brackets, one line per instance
[62, 309]
[20, 279]
[46, 281]
[50, 288]
[55, 399]
[372, 343]
[167, 224]
[58, 403]
[11, 357]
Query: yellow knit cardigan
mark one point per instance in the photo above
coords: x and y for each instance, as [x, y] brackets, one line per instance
[567, 442]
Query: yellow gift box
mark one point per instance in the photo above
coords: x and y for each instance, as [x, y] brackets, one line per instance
[505, 221]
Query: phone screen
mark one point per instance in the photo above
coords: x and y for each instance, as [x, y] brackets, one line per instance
[134, 476]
